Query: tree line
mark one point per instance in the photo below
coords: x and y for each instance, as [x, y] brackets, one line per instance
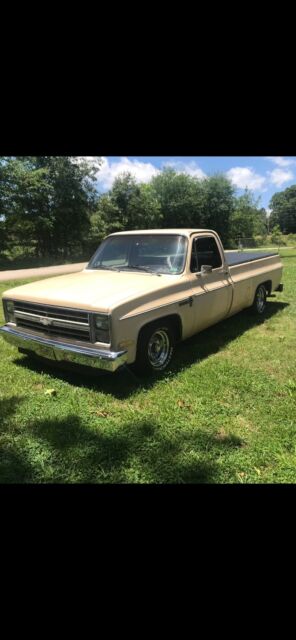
[283, 210]
[50, 206]
[46, 203]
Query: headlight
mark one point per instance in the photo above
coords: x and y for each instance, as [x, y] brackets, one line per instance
[102, 327]
[8, 306]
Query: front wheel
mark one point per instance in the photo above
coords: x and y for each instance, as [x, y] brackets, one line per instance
[259, 304]
[155, 350]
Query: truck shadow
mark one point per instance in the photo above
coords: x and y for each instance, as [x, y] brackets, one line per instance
[125, 383]
[95, 455]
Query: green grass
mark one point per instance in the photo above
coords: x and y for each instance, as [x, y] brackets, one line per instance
[224, 413]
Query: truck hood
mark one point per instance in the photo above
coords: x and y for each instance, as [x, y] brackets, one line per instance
[91, 290]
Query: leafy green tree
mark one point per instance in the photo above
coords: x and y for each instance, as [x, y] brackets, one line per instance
[263, 222]
[2, 235]
[51, 203]
[181, 198]
[2, 201]
[73, 201]
[277, 237]
[143, 209]
[187, 201]
[283, 206]
[219, 205]
[274, 220]
[247, 220]
[131, 205]
[104, 220]
[25, 195]
[48, 201]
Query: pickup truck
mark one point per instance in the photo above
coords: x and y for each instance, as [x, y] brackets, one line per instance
[140, 294]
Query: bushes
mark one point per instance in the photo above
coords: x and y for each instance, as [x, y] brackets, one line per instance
[291, 238]
[277, 238]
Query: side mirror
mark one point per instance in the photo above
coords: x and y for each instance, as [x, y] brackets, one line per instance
[206, 268]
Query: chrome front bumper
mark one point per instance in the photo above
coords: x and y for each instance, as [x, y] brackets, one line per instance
[88, 356]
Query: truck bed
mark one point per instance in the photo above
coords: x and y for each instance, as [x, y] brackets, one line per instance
[235, 258]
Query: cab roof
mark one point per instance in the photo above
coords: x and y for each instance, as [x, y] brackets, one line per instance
[183, 232]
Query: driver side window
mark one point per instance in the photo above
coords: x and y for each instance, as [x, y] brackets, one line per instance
[205, 251]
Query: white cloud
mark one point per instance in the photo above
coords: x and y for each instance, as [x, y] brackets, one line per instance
[186, 167]
[93, 160]
[280, 161]
[241, 177]
[142, 171]
[246, 177]
[268, 211]
[280, 176]
[85, 158]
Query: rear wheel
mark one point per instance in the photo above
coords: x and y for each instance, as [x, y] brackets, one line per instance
[155, 350]
[259, 304]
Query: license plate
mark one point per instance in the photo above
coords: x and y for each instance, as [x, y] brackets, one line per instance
[45, 352]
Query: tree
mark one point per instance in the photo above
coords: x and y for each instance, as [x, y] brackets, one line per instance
[219, 205]
[48, 201]
[247, 220]
[74, 199]
[143, 209]
[170, 200]
[283, 206]
[51, 204]
[277, 237]
[2, 235]
[263, 224]
[130, 205]
[104, 220]
[25, 194]
[3, 238]
[180, 197]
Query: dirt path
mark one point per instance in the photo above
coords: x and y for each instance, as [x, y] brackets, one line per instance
[19, 274]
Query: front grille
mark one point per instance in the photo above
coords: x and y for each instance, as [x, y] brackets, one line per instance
[53, 321]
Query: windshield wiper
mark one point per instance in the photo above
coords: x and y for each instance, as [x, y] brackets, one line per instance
[106, 268]
[136, 266]
[130, 266]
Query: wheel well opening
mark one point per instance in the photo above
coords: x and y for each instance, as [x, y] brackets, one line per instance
[173, 320]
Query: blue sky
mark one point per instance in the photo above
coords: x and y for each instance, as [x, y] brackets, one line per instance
[263, 175]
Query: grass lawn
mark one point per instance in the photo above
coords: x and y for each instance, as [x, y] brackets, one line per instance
[224, 413]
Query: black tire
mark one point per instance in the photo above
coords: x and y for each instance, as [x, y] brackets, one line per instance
[259, 305]
[156, 346]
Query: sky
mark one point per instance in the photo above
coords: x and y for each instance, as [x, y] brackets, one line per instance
[264, 175]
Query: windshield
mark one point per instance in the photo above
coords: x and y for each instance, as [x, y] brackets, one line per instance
[154, 253]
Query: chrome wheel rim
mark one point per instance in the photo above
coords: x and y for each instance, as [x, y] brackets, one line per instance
[158, 348]
[261, 299]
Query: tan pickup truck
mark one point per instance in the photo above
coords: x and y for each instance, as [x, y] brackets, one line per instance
[141, 293]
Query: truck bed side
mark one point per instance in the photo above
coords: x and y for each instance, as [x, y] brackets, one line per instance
[250, 269]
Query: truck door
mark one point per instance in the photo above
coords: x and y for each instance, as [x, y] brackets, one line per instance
[212, 290]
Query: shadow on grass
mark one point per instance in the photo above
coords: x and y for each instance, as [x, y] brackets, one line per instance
[13, 466]
[7, 407]
[136, 452]
[125, 383]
